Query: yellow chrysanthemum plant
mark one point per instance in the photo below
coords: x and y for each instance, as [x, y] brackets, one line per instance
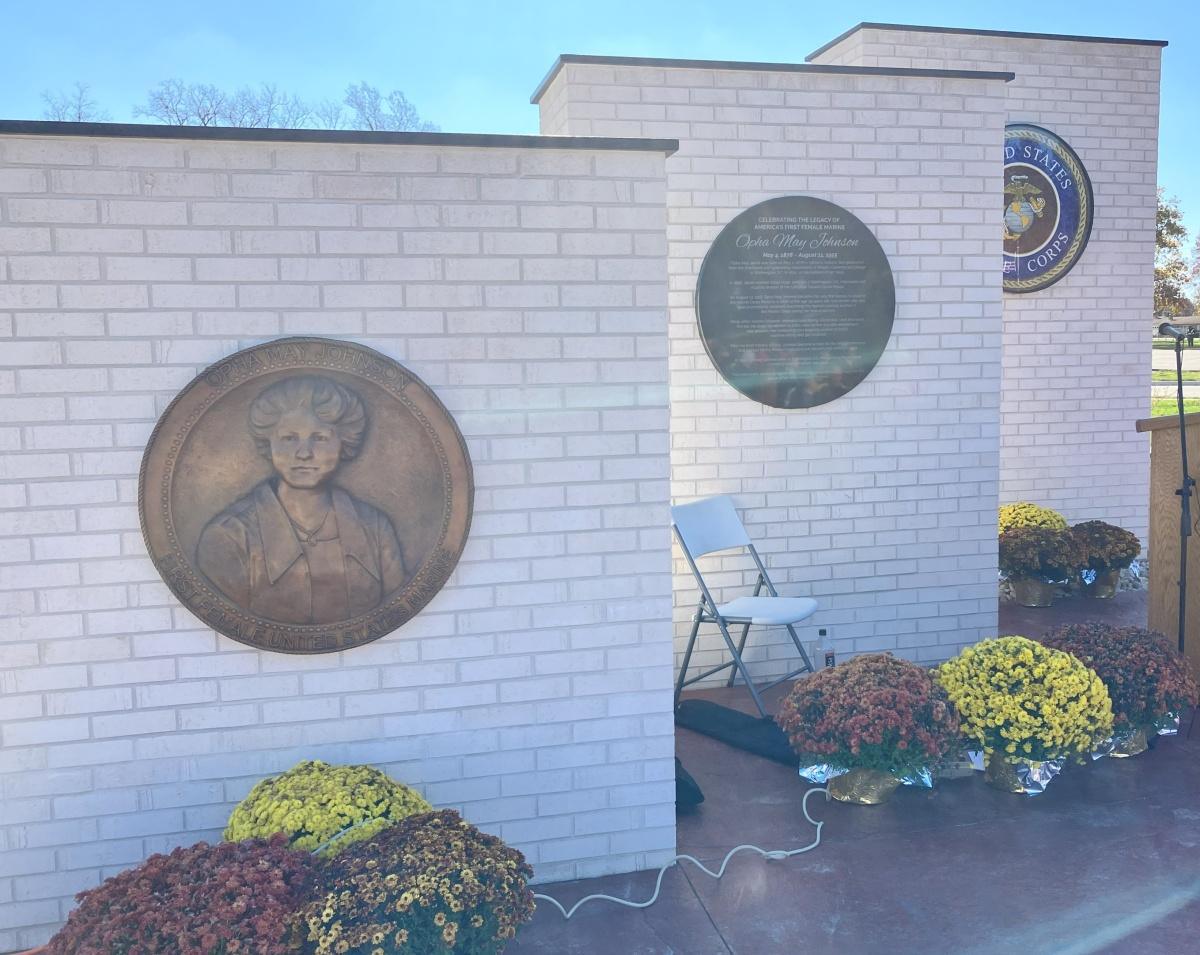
[1025, 514]
[1027, 704]
[323, 808]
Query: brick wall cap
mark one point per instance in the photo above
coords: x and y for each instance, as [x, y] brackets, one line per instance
[965, 32]
[747, 65]
[36, 127]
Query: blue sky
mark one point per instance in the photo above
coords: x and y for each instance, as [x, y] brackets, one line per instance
[470, 66]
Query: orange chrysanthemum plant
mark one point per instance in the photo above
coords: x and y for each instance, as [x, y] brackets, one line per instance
[874, 712]
[1148, 680]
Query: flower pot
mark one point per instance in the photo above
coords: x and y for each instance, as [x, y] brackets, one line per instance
[1026, 776]
[1168, 725]
[999, 773]
[863, 787]
[1130, 743]
[961, 767]
[1104, 584]
[1031, 592]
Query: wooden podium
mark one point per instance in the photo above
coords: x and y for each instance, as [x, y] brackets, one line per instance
[1165, 478]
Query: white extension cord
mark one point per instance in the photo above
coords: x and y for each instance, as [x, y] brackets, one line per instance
[765, 853]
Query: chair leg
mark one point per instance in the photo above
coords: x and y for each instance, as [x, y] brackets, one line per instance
[741, 650]
[758, 586]
[741, 667]
[687, 658]
[800, 646]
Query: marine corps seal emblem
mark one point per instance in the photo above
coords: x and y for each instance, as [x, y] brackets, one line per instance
[1047, 208]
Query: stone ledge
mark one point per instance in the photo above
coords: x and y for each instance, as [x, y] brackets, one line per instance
[34, 127]
[1016, 35]
[566, 58]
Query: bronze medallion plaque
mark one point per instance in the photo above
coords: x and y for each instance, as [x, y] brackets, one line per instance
[306, 495]
[795, 301]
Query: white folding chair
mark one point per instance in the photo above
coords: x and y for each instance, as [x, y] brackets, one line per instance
[710, 525]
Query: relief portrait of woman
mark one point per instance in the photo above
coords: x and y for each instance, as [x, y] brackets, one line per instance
[298, 548]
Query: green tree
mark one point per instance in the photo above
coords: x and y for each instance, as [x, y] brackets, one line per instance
[1172, 272]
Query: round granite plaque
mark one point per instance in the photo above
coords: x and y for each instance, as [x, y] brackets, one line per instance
[1047, 208]
[305, 495]
[795, 301]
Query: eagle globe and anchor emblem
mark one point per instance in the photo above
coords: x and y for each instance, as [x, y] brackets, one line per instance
[1025, 204]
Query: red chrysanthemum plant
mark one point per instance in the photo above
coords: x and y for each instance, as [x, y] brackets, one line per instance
[874, 712]
[1149, 681]
[225, 899]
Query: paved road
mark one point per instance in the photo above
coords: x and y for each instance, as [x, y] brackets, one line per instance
[1165, 358]
[1159, 390]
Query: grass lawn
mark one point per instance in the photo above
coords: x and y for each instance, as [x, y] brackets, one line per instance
[1165, 374]
[1165, 406]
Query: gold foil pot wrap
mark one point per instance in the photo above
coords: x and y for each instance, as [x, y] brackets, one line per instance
[863, 787]
[1002, 774]
[1027, 776]
[1130, 743]
[1031, 592]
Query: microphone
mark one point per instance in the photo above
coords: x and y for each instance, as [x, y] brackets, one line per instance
[1178, 332]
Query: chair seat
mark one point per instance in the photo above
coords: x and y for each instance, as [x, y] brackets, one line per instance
[768, 611]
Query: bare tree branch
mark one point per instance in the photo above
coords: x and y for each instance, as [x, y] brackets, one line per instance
[184, 104]
[197, 104]
[243, 108]
[373, 110]
[404, 114]
[329, 114]
[291, 112]
[366, 105]
[206, 103]
[73, 106]
[166, 103]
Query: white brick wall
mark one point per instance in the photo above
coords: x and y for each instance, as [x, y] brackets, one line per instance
[880, 504]
[1076, 355]
[527, 288]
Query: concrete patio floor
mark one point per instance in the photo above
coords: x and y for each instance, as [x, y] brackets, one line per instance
[1105, 861]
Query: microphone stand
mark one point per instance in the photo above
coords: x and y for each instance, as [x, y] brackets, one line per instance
[1179, 333]
[1185, 490]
